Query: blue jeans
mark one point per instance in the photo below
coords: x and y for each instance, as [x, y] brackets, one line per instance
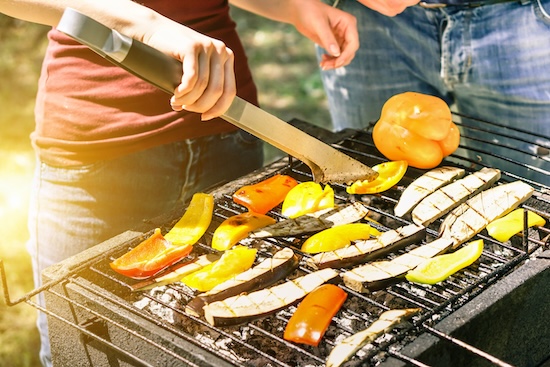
[490, 62]
[73, 209]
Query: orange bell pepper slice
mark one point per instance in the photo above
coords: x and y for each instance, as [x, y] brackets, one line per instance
[338, 237]
[313, 315]
[417, 128]
[307, 197]
[158, 252]
[232, 263]
[265, 195]
[389, 174]
[237, 227]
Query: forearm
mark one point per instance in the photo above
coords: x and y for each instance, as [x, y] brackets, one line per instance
[125, 16]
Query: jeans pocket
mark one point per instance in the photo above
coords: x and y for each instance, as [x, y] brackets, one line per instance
[542, 10]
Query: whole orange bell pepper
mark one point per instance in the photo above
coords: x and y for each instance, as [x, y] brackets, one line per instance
[264, 195]
[417, 128]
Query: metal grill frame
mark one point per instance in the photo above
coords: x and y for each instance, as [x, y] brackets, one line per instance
[93, 314]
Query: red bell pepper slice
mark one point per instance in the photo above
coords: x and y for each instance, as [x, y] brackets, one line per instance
[264, 195]
[313, 315]
[150, 256]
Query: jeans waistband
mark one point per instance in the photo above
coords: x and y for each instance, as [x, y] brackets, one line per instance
[464, 3]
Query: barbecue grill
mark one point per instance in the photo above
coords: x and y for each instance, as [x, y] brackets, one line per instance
[491, 313]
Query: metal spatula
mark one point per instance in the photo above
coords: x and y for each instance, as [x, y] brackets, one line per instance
[326, 163]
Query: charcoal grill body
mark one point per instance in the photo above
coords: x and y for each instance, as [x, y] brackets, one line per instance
[94, 321]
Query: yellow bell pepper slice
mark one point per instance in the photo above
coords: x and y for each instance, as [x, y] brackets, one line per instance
[439, 268]
[232, 263]
[307, 197]
[338, 237]
[502, 229]
[389, 174]
[237, 227]
[194, 222]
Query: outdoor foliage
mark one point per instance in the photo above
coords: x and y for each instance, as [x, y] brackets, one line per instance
[285, 70]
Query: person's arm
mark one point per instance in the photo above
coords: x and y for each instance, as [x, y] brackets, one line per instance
[332, 29]
[208, 82]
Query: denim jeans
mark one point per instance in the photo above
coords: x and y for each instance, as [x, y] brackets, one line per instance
[73, 209]
[490, 62]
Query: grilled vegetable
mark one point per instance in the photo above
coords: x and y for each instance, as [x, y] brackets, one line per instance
[443, 200]
[470, 218]
[337, 237]
[389, 174]
[232, 262]
[265, 195]
[264, 274]
[247, 307]
[176, 272]
[158, 252]
[417, 128]
[363, 251]
[349, 346]
[502, 229]
[424, 186]
[237, 227]
[315, 222]
[307, 197]
[194, 222]
[312, 317]
[379, 274]
[440, 267]
[150, 257]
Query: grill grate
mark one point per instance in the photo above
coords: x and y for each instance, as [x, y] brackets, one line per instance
[151, 328]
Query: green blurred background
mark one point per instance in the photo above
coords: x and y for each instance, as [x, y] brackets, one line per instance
[284, 66]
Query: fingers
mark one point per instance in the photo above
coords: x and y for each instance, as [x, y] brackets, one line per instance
[208, 82]
[343, 37]
[228, 94]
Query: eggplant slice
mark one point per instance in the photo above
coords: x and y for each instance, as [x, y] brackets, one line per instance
[445, 199]
[470, 218]
[424, 186]
[315, 222]
[379, 274]
[367, 250]
[247, 307]
[266, 273]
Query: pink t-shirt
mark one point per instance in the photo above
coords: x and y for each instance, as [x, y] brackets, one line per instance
[88, 109]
